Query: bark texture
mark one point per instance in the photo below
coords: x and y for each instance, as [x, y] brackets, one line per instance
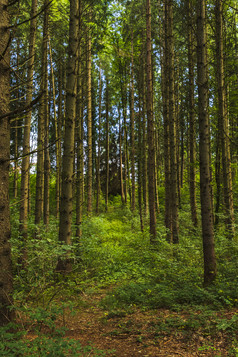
[204, 148]
[6, 286]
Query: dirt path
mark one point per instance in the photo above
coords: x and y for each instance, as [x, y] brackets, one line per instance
[139, 334]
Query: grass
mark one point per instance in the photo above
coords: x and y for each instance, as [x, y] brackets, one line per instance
[115, 256]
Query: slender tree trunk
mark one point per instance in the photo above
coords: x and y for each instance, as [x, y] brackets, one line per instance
[165, 99]
[40, 167]
[57, 142]
[121, 161]
[80, 136]
[60, 123]
[6, 281]
[139, 163]
[99, 143]
[191, 104]
[89, 122]
[223, 122]
[15, 183]
[125, 146]
[107, 145]
[204, 148]
[145, 149]
[172, 123]
[66, 203]
[27, 126]
[132, 120]
[46, 196]
[150, 125]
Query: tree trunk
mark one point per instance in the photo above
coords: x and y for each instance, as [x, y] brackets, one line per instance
[66, 203]
[46, 196]
[89, 122]
[192, 137]
[99, 143]
[223, 125]
[57, 141]
[150, 125]
[204, 148]
[107, 145]
[132, 122]
[165, 99]
[27, 125]
[80, 136]
[6, 282]
[121, 161]
[172, 123]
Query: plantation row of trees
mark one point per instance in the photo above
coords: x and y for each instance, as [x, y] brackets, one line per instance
[135, 98]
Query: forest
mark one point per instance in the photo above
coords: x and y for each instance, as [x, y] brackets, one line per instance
[118, 178]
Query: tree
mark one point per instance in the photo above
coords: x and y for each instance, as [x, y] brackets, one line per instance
[223, 126]
[204, 148]
[6, 282]
[89, 119]
[191, 104]
[66, 204]
[150, 125]
[172, 120]
[27, 125]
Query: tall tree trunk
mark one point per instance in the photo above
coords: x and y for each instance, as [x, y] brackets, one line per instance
[80, 135]
[27, 125]
[150, 125]
[223, 125]
[204, 148]
[165, 99]
[107, 145]
[145, 148]
[121, 161]
[191, 104]
[99, 143]
[89, 121]
[40, 167]
[57, 141]
[66, 203]
[172, 123]
[46, 196]
[140, 163]
[6, 281]
[132, 120]
[15, 181]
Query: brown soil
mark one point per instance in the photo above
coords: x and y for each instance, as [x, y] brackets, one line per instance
[135, 334]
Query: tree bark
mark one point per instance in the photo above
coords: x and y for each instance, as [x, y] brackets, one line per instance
[66, 203]
[150, 126]
[204, 148]
[6, 281]
[89, 121]
[27, 125]
[223, 125]
[191, 104]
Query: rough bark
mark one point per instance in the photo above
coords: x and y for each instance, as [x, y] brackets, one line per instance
[6, 283]
[150, 126]
[223, 125]
[132, 123]
[172, 123]
[204, 148]
[191, 104]
[27, 125]
[66, 203]
[89, 123]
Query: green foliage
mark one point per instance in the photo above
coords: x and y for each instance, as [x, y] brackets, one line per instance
[48, 340]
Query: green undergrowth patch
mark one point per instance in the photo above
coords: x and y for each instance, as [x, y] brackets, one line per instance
[40, 334]
[114, 260]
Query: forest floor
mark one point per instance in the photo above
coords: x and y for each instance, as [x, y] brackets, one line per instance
[142, 333]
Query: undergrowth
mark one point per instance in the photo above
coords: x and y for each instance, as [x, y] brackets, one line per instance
[113, 252]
